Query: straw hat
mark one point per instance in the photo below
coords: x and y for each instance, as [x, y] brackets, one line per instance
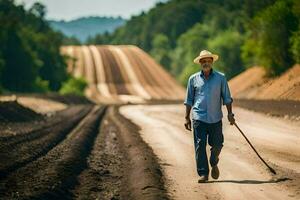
[206, 54]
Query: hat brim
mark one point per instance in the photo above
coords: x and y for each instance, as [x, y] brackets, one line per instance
[213, 56]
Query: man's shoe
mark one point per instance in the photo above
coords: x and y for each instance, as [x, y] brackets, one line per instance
[215, 172]
[203, 178]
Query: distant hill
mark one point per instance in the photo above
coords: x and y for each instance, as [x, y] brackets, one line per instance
[84, 27]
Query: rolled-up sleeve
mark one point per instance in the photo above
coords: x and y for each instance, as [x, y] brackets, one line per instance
[189, 99]
[226, 96]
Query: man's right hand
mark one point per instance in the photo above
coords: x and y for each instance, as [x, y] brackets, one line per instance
[188, 124]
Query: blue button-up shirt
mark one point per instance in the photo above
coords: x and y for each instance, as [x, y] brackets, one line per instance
[207, 96]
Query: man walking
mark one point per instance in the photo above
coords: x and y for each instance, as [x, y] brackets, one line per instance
[207, 90]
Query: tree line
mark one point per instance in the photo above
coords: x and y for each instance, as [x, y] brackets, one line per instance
[30, 59]
[243, 32]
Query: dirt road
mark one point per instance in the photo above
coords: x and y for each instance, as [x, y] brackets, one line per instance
[121, 73]
[242, 176]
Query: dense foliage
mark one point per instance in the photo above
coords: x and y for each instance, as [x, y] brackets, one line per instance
[30, 60]
[73, 86]
[273, 40]
[243, 32]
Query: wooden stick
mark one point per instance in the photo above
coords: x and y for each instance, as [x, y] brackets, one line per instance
[270, 168]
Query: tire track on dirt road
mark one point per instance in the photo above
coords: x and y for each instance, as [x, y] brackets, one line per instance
[54, 175]
[124, 73]
[113, 71]
[142, 77]
[126, 81]
[157, 81]
[89, 66]
[99, 72]
[153, 78]
[92, 91]
[166, 81]
[134, 81]
[107, 71]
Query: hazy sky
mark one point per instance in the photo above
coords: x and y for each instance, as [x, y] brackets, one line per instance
[70, 9]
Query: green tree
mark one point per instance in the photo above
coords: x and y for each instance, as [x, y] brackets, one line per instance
[53, 68]
[186, 73]
[295, 46]
[295, 39]
[38, 10]
[141, 29]
[2, 63]
[20, 63]
[228, 45]
[188, 47]
[73, 86]
[269, 40]
[47, 45]
[161, 50]
[29, 51]
[70, 40]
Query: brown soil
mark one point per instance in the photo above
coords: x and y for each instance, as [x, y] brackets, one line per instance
[12, 111]
[252, 84]
[64, 99]
[121, 165]
[103, 176]
[288, 109]
[52, 172]
[145, 179]
[39, 105]
[150, 76]
[144, 79]
[78, 153]
[287, 86]
[22, 148]
[247, 80]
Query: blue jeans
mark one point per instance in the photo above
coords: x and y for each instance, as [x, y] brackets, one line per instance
[213, 132]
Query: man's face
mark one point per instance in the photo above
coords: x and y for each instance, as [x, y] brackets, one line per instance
[206, 63]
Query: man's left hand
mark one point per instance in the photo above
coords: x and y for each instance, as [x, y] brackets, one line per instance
[231, 119]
